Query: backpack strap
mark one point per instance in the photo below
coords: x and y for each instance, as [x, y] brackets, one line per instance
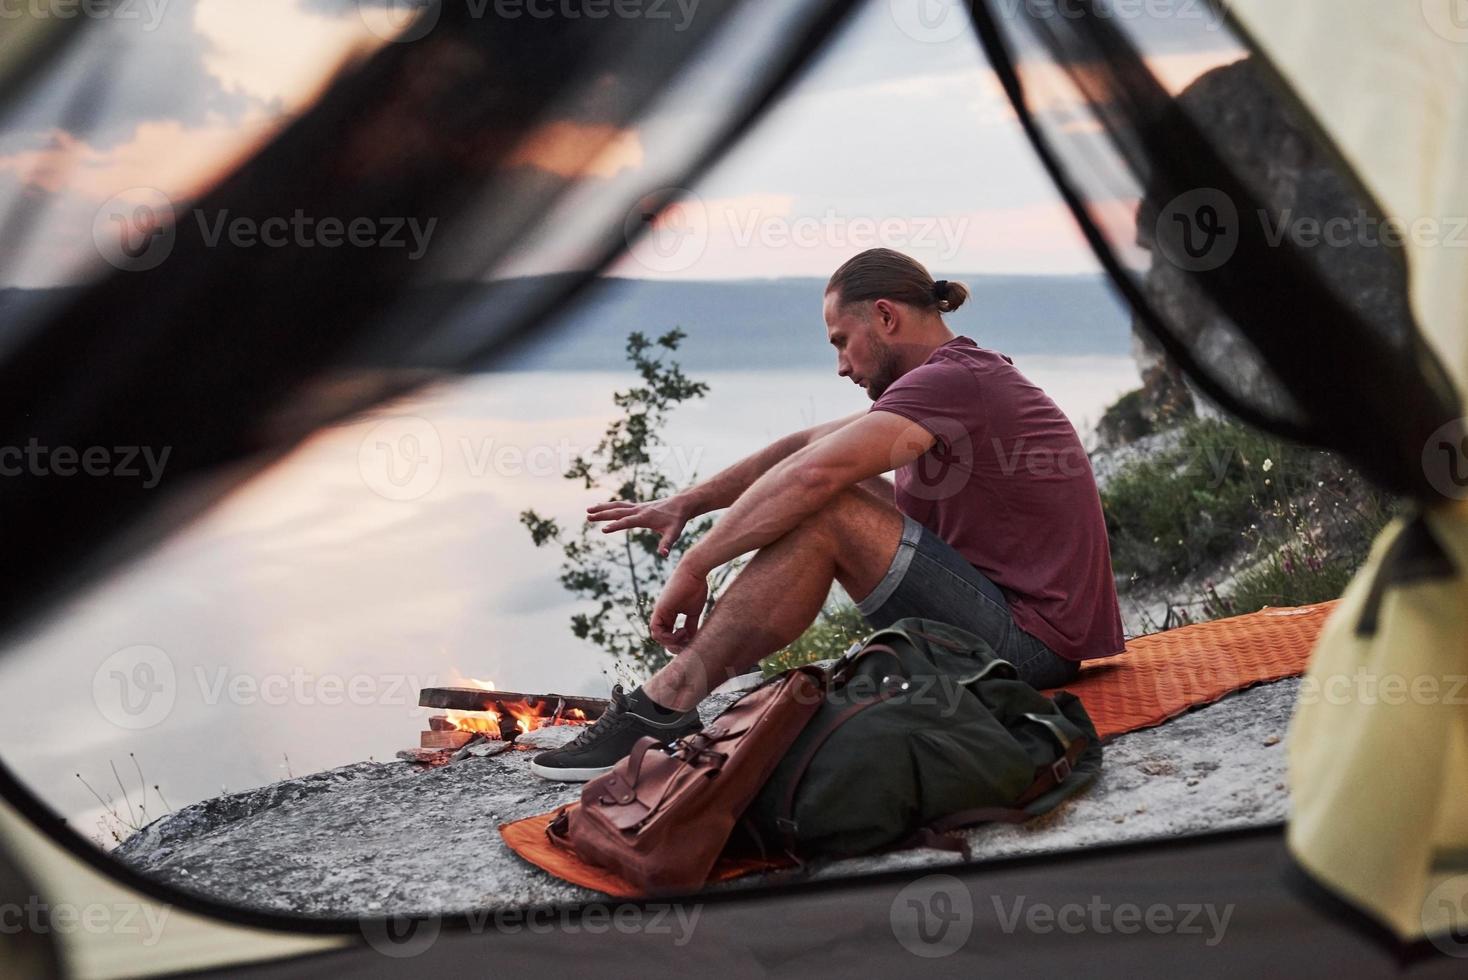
[785, 820]
[622, 786]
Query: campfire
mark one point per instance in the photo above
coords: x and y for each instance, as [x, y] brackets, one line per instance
[471, 716]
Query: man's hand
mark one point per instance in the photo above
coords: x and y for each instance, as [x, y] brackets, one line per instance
[686, 593]
[666, 516]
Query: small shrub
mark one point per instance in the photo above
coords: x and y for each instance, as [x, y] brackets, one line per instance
[1186, 507]
[1125, 420]
[1300, 520]
[837, 627]
[1325, 538]
[620, 577]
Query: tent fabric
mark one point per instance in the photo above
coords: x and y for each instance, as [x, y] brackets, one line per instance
[183, 940]
[1379, 745]
[1158, 677]
[26, 952]
[1380, 784]
[871, 927]
[1388, 86]
[1192, 196]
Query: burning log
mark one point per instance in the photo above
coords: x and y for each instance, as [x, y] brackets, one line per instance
[511, 704]
[445, 740]
[483, 721]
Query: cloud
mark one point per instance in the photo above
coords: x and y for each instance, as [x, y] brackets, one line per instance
[278, 51]
[175, 158]
[570, 149]
[205, 66]
[166, 101]
[119, 74]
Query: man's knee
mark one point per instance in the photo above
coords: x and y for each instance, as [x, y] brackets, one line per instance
[837, 512]
[854, 513]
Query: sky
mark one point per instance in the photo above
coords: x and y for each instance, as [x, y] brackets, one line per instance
[899, 136]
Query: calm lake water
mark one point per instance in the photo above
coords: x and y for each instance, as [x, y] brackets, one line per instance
[289, 630]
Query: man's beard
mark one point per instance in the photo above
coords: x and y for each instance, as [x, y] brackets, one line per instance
[888, 370]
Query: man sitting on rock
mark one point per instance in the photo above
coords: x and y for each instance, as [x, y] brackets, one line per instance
[994, 524]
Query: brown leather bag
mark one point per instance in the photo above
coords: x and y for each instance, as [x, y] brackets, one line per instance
[660, 819]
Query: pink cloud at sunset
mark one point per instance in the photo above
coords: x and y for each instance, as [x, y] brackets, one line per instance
[176, 159]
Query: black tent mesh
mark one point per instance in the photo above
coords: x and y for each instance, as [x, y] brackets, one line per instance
[229, 354]
[1249, 252]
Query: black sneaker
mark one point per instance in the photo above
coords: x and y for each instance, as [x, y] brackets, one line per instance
[607, 740]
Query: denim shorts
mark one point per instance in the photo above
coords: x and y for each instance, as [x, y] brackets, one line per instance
[928, 578]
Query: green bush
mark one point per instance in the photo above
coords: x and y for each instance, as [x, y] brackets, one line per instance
[1126, 419]
[837, 627]
[1299, 519]
[1325, 539]
[1187, 507]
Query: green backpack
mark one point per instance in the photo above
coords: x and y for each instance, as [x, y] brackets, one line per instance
[923, 730]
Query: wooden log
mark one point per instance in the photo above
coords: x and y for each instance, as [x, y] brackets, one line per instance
[475, 699]
[479, 739]
[443, 740]
[441, 723]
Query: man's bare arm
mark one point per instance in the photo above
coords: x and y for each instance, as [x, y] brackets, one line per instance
[669, 515]
[806, 481]
[791, 491]
[725, 487]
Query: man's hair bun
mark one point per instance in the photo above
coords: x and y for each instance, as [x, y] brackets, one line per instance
[949, 295]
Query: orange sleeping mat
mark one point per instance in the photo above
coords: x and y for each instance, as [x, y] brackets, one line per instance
[1164, 674]
[1160, 676]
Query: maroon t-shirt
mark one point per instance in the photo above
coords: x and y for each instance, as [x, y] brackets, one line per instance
[1009, 486]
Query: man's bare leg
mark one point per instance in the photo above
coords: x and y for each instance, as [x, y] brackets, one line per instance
[780, 592]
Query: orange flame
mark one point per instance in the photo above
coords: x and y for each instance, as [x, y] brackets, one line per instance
[526, 716]
[483, 722]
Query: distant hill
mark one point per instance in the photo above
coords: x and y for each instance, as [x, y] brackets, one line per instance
[776, 323]
[750, 323]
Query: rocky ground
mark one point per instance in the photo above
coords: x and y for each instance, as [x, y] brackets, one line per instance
[396, 837]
